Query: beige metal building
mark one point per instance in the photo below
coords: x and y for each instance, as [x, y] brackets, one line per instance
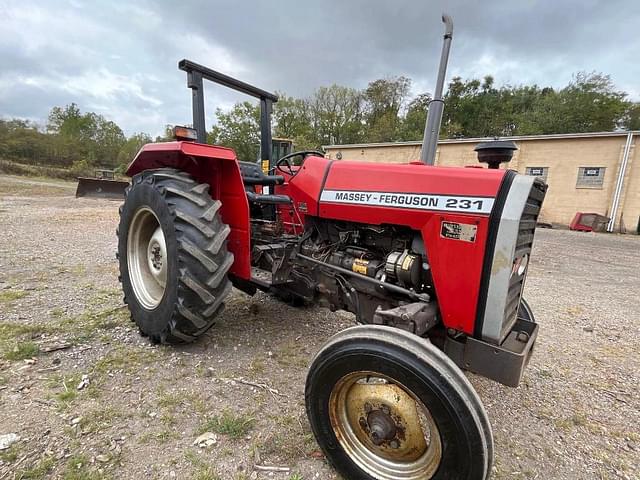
[590, 172]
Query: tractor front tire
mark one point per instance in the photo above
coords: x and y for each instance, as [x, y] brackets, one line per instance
[384, 404]
[172, 250]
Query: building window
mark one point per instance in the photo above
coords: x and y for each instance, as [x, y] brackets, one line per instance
[540, 172]
[590, 177]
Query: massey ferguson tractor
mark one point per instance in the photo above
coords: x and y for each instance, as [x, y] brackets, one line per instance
[430, 260]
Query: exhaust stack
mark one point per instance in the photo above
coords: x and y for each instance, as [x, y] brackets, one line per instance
[436, 106]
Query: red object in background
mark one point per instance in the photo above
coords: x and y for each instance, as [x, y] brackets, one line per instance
[589, 222]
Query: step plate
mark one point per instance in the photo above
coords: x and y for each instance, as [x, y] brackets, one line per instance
[261, 277]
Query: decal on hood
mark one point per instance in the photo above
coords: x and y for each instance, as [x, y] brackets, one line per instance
[419, 201]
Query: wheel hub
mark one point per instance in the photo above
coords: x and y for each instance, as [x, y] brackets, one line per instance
[384, 428]
[381, 426]
[156, 253]
[147, 258]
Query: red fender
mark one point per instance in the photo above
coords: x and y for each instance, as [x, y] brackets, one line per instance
[218, 167]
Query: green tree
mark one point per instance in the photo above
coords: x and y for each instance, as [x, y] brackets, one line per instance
[415, 118]
[632, 117]
[336, 115]
[238, 129]
[292, 120]
[384, 98]
[85, 137]
[131, 147]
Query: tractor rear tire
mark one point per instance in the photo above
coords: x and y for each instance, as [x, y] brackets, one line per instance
[384, 404]
[172, 250]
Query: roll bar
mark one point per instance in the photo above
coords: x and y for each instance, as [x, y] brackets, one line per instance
[196, 73]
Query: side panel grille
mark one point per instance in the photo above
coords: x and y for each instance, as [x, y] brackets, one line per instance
[524, 244]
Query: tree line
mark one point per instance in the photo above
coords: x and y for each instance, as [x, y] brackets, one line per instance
[384, 111]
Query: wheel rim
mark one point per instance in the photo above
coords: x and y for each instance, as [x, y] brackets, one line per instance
[147, 258]
[384, 428]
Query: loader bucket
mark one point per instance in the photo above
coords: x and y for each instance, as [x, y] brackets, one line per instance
[99, 188]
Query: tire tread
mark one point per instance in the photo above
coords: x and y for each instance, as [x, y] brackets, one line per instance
[203, 258]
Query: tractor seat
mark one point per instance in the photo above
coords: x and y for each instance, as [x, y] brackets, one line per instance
[252, 174]
[269, 199]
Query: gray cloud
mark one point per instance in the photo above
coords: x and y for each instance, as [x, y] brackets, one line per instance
[119, 58]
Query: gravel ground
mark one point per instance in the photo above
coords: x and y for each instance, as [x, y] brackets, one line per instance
[575, 416]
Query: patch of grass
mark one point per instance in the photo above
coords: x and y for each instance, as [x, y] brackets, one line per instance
[66, 388]
[168, 419]
[57, 312]
[203, 471]
[575, 420]
[169, 400]
[10, 455]
[287, 446]
[91, 322]
[38, 471]
[127, 359]
[10, 330]
[206, 472]
[292, 354]
[257, 365]
[233, 425]
[101, 419]
[22, 350]
[78, 468]
[7, 296]
[161, 437]
[67, 396]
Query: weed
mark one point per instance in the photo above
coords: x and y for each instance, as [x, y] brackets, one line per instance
[123, 358]
[10, 330]
[235, 426]
[257, 365]
[166, 435]
[67, 388]
[10, 455]
[168, 400]
[57, 312]
[101, 418]
[203, 471]
[168, 419]
[66, 397]
[22, 350]
[161, 437]
[296, 476]
[78, 469]
[7, 296]
[292, 354]
[38, 471]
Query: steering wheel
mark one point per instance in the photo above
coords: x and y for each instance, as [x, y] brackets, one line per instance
[285, 166]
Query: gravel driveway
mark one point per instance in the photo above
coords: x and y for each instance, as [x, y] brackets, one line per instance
[91, 399]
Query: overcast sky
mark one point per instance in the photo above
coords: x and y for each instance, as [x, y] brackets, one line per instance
[119, 58]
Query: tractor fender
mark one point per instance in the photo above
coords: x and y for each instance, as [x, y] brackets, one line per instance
[218, 167]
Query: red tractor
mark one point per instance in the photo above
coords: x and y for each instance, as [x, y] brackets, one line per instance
[431, 261]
